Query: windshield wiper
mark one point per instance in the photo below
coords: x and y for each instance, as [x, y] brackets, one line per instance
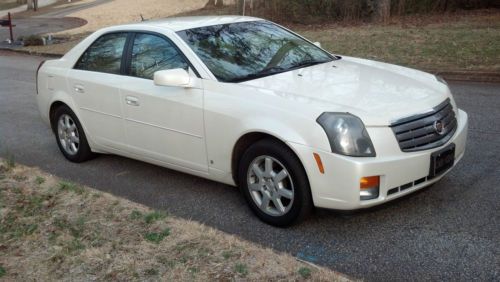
[277, 69]
[308, 63]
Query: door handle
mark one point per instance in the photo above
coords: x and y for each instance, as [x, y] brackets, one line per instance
[79, 88]
[132, 101]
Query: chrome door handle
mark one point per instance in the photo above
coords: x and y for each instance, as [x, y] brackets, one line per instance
[132, 101]
[79, 88]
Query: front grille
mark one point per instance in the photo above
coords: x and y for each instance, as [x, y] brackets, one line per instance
[421, 132]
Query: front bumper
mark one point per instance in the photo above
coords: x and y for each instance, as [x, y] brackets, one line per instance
[338, 187]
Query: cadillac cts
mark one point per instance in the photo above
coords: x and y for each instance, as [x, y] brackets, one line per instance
[247, 102]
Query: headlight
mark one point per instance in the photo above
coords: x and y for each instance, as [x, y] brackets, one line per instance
[347, 134]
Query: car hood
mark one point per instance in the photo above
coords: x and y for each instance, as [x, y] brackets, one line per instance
[378, 93]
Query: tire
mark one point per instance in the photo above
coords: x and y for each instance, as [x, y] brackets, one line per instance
[70, 136]
[258, 183]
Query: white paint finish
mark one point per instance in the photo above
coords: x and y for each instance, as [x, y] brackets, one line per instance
[183, 23]
[98, 98]
[339, 187]
[167, 123]
[376, 92]
[173, 78]
[194, 129]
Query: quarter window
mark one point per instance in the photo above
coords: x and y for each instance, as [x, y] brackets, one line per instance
[104, 55]
[151, 53]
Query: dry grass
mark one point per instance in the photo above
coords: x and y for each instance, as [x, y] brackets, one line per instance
[469, 41]
[55, 230]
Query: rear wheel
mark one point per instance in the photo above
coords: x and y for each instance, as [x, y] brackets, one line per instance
[274, 183]
[70, 136]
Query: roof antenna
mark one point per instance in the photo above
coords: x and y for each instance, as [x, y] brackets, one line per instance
[142, 18]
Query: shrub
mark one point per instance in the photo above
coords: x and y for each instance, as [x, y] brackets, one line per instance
[33, 40]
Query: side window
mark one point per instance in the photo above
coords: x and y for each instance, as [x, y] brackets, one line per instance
[151, 53]
[104, 55]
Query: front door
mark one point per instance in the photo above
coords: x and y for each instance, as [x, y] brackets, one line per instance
[162, 123]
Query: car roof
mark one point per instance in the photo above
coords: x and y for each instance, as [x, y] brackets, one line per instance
[182, 23]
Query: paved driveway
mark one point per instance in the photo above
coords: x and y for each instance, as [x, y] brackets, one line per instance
[48, 21]
[449, 231]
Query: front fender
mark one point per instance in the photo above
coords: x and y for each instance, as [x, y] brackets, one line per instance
[255, 112]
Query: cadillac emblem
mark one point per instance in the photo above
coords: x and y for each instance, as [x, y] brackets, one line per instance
[439, 127]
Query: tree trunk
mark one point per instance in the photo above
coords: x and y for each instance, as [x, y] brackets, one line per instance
[31, 4]
[382, 10]
[215, 3]
[240, 6]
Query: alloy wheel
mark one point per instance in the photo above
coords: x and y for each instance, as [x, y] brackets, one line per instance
[67, 132]
[270, 185]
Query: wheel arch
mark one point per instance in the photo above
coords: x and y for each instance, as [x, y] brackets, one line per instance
[52, 110]
[249, 138]
[58, 102]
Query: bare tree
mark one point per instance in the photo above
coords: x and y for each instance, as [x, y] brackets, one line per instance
[215, 3]
[382, 10]
[31, 4]
[239, 6]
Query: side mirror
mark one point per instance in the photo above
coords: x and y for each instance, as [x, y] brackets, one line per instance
[317, 44]
[173, 77]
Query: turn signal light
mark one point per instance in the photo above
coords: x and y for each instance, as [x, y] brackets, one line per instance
[369, 182]
[319, 163]
[369, 187]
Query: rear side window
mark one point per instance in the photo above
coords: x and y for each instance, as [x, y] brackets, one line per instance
[151, 53]
[104, 55]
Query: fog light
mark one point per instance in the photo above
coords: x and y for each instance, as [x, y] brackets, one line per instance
[369, 187]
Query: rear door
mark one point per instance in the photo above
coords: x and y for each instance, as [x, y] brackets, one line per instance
[95, 82]
[163, 123]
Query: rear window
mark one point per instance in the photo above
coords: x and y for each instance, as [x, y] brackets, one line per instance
[104, 55]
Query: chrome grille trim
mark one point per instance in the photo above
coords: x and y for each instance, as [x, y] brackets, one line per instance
[417, 132]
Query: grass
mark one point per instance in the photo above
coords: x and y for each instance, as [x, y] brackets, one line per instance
[157, 237]
[9, 161]
[305, 272]
[466, 44]
[39, 180]
[154, 216]
[52, 229]
[68, 186]
[241, 269]
[2, 271]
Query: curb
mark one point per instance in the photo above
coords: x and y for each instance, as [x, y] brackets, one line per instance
[472, 76]
[466, 76]
[31, 53]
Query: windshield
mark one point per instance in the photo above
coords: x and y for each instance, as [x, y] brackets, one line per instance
[248, 50]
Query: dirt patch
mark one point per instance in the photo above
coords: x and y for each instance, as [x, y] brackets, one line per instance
[127, 11]
[52, 230]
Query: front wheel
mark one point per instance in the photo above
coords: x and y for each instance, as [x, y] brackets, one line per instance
[70, 136]
[274, 183]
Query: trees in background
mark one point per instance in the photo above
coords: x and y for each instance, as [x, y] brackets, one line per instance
[378, 10]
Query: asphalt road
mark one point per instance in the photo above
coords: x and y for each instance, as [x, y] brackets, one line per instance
[32, 26]
[47, 21]
[449, 231]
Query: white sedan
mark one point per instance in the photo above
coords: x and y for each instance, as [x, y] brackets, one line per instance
[246, 102]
